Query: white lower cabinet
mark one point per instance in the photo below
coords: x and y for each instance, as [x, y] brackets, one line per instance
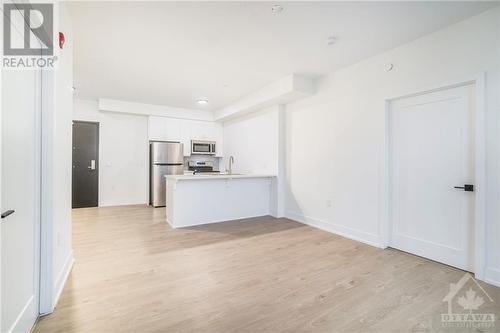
[185, 130]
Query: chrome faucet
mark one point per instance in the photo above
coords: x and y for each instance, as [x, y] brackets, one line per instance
[231, 162]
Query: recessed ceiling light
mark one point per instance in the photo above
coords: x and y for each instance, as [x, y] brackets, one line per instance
[276, 8]
[202, 101]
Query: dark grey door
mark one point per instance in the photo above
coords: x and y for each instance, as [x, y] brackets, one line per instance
[85, 164]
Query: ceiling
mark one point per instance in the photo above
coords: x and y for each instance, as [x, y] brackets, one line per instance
[173, 53]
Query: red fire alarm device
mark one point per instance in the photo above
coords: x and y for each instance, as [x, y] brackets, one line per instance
[61, 40]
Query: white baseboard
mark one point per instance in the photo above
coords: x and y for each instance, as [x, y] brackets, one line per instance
[492, 276]
[25, 321]
[62, 277]
[354, 234]
[248, 217]
[119, 204]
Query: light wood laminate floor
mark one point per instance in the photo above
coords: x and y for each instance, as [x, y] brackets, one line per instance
[133, 273]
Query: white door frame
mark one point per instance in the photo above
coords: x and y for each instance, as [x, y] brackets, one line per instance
[1, 113]
[46, 298]
[38, 180]
[479, 161]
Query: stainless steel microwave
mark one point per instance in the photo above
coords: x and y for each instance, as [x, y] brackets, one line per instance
[202, 147]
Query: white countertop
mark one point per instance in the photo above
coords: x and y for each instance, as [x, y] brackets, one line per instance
[215, 177]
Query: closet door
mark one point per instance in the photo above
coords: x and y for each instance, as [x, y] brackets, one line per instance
[20, 194]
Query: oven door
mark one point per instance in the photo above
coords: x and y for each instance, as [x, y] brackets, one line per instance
[201, 148]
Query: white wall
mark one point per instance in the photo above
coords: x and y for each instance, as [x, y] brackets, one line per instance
[123, 154]
[335, 139]
[257, 142]
[253, 141]
[61, 159]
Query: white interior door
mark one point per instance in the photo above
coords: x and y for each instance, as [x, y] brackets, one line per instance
[431, 152]
[20, 148]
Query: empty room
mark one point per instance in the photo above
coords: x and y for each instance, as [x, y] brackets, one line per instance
[250, 166]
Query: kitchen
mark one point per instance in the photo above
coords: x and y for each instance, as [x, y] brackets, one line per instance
[133, 169]
[203, 194]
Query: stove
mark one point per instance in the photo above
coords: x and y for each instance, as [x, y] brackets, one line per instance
[202, 167]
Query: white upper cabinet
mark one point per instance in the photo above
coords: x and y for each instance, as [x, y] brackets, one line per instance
[216, 133]
[184, 130]
[164, 129]
[198, 130]
[185, 138]
[172, 129]
[155, 129]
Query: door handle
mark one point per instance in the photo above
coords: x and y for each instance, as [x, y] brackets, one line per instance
[92, 165]
[466, 187]
[7, 213]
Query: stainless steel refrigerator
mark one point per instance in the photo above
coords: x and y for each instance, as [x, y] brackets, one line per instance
[166, 158]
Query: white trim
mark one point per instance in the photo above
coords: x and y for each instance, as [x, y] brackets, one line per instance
[62, 277]
[46, 235]
[281, 167]
[480, 168]
[23, 322]
[38, 185]
[118, 204]
[246, 218]
[354, 234]
[141, 109]
[1, 113]
[438, 87]
[385, 212]
[480, 229]
[492, 276]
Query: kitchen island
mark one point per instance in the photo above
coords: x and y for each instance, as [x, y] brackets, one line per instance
[201, 199]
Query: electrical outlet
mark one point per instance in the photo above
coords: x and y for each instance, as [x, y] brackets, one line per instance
[328, 203]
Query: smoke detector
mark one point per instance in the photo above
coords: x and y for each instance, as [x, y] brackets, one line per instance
[276, 9]
[331, 40]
